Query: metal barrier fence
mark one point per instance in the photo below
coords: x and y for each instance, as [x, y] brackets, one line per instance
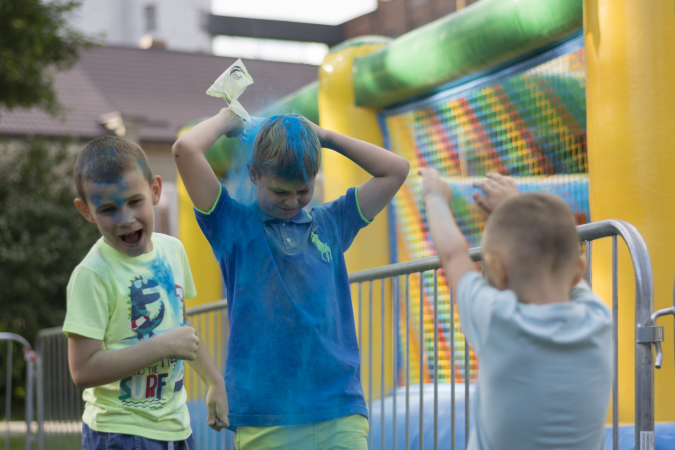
[60, 402]
[644, 364]
[29, 357]
[212, 324]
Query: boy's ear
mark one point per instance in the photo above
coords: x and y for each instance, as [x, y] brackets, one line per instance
[581, 270]
[83, 208]
[252, 175]
[496, 271]
[156, 188]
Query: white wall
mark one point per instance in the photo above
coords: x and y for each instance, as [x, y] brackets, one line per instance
[123, 22]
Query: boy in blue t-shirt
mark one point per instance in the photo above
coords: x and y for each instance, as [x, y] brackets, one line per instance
[293, 372]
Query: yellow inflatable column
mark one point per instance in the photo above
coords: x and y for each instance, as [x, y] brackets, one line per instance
[630, 57]
[204, 267]
[371, 247]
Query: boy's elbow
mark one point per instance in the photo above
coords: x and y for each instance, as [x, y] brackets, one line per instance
[177, 148]
[80, 380]
[402, 169]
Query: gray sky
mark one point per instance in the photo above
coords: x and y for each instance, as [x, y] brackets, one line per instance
[328, 12]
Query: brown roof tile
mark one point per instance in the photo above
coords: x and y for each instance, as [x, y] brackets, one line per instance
[167, 88]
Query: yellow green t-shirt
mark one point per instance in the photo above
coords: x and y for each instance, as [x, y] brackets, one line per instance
[122, 301]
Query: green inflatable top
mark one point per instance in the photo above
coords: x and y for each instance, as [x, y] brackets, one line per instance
[482, 37]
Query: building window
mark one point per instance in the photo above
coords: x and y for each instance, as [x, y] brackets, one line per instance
[150, 18]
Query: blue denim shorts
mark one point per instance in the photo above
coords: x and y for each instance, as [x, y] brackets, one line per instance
[95, 440]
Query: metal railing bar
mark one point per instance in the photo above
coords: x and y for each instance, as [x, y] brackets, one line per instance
[421, 374]
[586, 232]
[206, 308]
[436, 363]
[382, 378]
[467, 378]
[8, 390]
[615, 343]
[589, 263]
[200, 387]
[394, 350]
[407, 361]
[453, 442]
[370, 360]
[60, 356]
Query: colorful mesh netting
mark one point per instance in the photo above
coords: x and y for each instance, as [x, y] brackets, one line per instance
[529, 125]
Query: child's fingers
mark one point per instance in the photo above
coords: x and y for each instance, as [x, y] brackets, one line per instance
[427, 172]
[482, 202]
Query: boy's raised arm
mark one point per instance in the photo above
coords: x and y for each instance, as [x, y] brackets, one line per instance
[448, 240]
[190, 151]
[389, 170]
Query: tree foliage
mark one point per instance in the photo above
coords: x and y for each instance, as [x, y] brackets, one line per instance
[42, 235]
[35, 39]
[42, 238]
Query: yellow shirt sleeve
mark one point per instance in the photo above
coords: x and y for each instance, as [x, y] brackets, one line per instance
[189, 285]
[88, 312]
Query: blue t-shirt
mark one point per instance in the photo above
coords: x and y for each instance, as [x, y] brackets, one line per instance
[293, 357]
[545, 370]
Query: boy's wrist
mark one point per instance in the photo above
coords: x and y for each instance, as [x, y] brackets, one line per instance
[433, 196]
[230, 121]
[217, 383]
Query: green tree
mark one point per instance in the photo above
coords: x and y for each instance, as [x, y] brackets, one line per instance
[42, 238]
[35, 40]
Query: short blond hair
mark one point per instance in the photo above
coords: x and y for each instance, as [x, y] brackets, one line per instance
[538, 231]
[287, 146]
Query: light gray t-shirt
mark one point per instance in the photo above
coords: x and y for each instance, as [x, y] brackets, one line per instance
[545, 370]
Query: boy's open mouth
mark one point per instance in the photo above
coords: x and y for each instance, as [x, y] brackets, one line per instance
[132, 239]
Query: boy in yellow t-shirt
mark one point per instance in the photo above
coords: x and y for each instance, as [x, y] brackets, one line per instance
[128, 337]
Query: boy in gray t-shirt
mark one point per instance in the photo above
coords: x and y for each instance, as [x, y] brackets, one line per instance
[543, 339]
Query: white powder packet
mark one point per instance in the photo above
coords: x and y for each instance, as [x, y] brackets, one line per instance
[230, 85]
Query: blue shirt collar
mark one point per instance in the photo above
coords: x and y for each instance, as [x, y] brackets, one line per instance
[303, 216]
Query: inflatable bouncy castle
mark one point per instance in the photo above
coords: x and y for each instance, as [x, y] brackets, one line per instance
[568, 97]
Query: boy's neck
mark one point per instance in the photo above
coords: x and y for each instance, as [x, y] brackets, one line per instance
[541, 291]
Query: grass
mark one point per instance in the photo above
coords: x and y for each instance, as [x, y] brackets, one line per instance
[72, 442]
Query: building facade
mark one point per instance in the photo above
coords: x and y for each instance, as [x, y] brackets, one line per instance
[179, 24]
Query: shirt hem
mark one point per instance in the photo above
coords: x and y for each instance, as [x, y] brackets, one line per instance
[84, 332]
[358, 206]
[244, 420]
[208, 213]
[140, 431]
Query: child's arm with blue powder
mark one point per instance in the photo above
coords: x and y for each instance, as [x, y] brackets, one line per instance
[448, 239]
[388, 170]
[190, 151]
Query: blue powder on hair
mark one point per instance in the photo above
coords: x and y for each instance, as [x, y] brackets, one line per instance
[298, 138]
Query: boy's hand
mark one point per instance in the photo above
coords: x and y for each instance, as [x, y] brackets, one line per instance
[320, 132]
[216, 405]
[433, 185]
[181, 343]
[497, 188]
[232, 123]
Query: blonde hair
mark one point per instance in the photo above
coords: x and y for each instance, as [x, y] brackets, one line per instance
[538, 232]
[287, 146]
